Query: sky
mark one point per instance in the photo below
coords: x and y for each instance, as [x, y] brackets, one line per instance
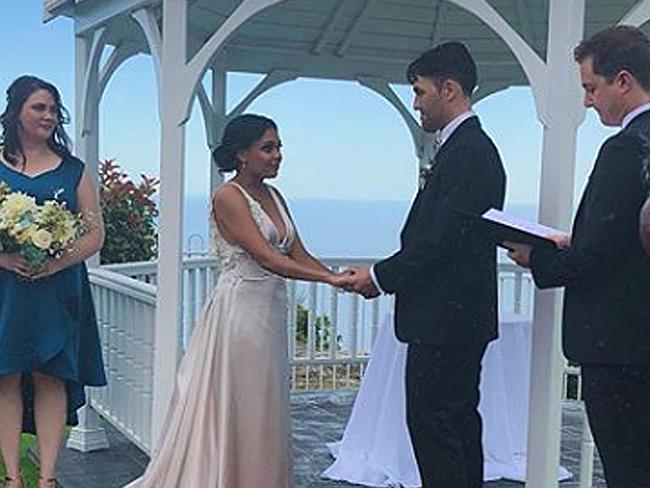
[341, 141]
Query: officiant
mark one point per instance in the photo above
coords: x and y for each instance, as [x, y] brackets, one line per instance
[603, 268]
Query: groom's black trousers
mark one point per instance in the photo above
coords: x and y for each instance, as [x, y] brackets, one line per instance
[442, 396]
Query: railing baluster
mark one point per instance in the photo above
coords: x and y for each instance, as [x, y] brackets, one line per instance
[191, 303]
[353, 324]
[311, 322]
[334, 330]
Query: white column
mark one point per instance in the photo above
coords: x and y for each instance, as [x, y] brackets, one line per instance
[219, 86]
[89, 435]
[564, 115]
[172, 154]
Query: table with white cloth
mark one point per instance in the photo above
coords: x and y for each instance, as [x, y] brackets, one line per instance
[376, 448]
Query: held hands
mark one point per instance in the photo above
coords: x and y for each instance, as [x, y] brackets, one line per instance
[357, 280]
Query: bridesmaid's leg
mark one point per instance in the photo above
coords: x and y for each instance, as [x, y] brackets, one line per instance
[11, 420]
[50, 408]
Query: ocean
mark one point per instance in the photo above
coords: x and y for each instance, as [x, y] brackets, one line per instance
[340, 229]
[330, 228]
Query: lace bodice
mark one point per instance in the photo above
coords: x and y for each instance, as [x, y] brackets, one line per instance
[234, 261]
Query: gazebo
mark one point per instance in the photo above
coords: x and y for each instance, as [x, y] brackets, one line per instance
[515, 42]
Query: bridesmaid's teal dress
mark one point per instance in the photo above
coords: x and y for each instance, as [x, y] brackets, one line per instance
[49, 325]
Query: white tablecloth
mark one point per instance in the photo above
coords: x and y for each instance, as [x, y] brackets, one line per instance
[376, 449]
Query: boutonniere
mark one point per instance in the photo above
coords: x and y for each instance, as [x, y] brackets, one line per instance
[425, 172]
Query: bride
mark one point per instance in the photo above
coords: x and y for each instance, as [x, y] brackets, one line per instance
[228, 422]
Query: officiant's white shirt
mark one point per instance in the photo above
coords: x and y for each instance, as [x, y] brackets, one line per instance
[633, 114]
[442, 135]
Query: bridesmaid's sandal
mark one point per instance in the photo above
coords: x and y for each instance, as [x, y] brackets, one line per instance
[47, 483]
[10, 482]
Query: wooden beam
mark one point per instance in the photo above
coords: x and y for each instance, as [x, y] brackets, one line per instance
[638, 15]
[274, 78]
[99, 13]
[327, 30]
[525, 25]
[345, 43]
[439, 22]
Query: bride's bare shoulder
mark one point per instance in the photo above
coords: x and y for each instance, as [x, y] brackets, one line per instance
[228, 196]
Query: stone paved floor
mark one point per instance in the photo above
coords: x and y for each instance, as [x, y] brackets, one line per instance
[317, 419]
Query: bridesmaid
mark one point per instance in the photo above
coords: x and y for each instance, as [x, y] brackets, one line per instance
[49, 345]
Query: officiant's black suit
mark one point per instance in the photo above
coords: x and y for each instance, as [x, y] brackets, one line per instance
[606, 323]
[445, 285]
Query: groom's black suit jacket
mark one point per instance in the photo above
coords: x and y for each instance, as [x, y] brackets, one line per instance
[444, 275]
[605, 272]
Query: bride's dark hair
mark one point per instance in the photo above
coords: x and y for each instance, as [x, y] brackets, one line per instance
[240, 134]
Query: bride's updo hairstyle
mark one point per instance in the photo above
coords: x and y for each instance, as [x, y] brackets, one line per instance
[239, 135]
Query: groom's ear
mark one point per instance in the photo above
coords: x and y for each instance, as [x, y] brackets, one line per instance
[451, 89]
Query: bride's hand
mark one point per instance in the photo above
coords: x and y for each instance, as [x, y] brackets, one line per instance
[340, 280]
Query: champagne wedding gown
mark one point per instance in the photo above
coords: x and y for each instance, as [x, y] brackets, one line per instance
[228, 423]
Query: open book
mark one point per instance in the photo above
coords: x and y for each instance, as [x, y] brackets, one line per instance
[501, 227]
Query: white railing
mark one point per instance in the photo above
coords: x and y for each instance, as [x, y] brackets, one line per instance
[125, 316]
[330, 336]
[330, 333]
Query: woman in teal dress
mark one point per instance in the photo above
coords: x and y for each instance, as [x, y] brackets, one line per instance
[49, 344]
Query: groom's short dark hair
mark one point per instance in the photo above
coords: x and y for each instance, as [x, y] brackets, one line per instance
[450, 60]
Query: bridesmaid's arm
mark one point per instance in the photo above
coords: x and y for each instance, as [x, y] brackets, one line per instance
[233, 217]
[91, 241]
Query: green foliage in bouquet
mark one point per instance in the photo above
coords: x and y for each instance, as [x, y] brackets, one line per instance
[129, 216]
[37, 232]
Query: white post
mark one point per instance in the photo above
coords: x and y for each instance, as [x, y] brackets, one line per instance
[172, 149]
[566, 20]
[89, 435]
[586, 455]
[219, 114]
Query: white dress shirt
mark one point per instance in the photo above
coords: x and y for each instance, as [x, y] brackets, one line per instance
[632, 115]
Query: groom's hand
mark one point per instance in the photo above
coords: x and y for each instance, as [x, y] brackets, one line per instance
[361, 282]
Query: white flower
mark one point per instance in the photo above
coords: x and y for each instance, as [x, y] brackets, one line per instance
[42, 239]
[17, 204]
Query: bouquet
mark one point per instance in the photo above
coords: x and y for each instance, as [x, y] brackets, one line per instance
[36, 232]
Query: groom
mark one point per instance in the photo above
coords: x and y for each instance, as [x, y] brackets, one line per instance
[444, 275]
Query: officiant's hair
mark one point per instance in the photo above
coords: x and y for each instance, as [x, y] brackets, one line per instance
[17, 94]
[450, 60]
[240, 133]
[618, 48]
